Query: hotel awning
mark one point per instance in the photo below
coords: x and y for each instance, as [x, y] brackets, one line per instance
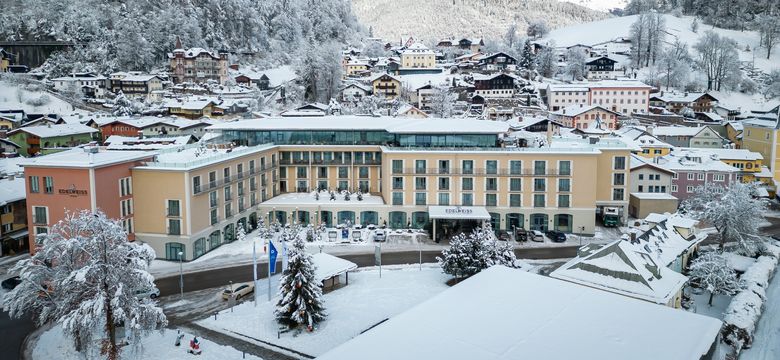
[458, 212]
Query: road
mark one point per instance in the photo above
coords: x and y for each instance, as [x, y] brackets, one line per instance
[221, 277]
[12, 334]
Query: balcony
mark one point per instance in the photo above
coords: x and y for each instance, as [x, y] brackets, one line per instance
[477, 172]
[226, 181]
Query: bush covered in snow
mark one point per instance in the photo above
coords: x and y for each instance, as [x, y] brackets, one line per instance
[472, 253]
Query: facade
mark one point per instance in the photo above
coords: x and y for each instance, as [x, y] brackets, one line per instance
[197, 65]
[193, 109]
[648, 177]
[386, 85]
[32, 140]
[494, 86]
[418, 56]
[582, 117]
[683, 136]
[748, 163]
[602, 68]
[135, 85]
[88, 85]
[13, 216]
[734, 133]
[356, 68]
[497, 61]
[75, 180]
[652, 146]
[761, 135]
[693, 169]
[152, 126]
[354, 92]
[621, 96]
[676, 102]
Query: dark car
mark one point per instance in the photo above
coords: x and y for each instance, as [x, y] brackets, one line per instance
[11, 283]
[556, 236]
[504, 236]
[521, 234]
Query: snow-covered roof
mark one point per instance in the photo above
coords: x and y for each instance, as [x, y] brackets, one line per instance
[117, 142]
[688, 159]
[483, 77]
[687, 97]
[637, 161]
[651, 141]
[664, 242]
[329, 266]
[195, 156]
[574, 110]
[379, 75]
[355, 122]
[677, 130]
[735, 154]
[47, 131]
[302, 113]
[620, 268]
[653, 196]
[737, 125]
[82, 158]
[509, 314]
[11, 165]
[138, 77]
[12, 190]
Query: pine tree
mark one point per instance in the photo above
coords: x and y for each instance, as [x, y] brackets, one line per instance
[301, 296]
[712, 272]
[526, 56]
[241, 233]
[470, 254]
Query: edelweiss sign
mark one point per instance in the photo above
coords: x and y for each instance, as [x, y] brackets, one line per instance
[458, 212]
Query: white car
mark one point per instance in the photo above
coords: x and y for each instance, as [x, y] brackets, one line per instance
[152, 293]
[239, 291]
[537, 236]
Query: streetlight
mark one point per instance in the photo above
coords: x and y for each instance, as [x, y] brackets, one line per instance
[181, 274]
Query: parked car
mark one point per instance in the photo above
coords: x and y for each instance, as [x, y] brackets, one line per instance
[11, 283]
[556, 236]
[537, 236]
[238, 291]
[521, 234]
[504, 236]
[148, 293]
[380, 235]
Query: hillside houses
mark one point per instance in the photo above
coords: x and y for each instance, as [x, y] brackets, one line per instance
[581, 116]
[197, 65]
[88, 85]
[677, 102]
[33, 140]
[499, 61]
[685, 136]
[135, 84]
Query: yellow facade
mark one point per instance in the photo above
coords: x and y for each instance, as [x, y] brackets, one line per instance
[763, 140]
[734, 135]
[418, 60]
[6, 124]
[387, 86]
[654, 151]
[4, 64]
[351, 69]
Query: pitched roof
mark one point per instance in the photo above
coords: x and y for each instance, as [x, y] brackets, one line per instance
[574, 110]
[47, 131]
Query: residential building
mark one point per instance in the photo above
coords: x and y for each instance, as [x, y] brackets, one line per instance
[135, 85]
[581, 116]
[676, 102]
[8, 148]
[33, 140]
[81, 179]
[197, 65]
[652, 146]
[748, 163]
[410, 111]
[6, 59]
[386, 85]
[694, 168]
[685, 136]
[621, 96]
[355, 92]
[760, 135]
[602, 68]
[474, 44]
[86, 85]
[494, 86]
[13, 216]
[497, 61]
[734, 133]
[651, 187]
[357, 68]
[152, 126]
[418, 56]
[193, 109]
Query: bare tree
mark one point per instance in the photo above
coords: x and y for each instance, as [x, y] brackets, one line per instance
[717, 57]
[768, 27]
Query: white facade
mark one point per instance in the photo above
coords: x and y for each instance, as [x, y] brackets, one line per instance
[625, 97]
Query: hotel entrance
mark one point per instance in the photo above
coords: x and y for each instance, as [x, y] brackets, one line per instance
[449, 221]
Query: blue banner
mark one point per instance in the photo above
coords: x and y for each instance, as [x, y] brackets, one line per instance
[271, 258]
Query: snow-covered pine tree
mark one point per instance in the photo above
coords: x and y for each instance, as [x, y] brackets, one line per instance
[241, 233]
[472, 253]
[301, 296]
[84, 277]
[526, 56]
[712, 272]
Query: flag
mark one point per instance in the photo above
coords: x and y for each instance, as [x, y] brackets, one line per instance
[271, 258]
[254, 268]
[284, 255]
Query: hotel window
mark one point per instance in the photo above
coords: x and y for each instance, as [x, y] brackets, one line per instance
[196, 184]
[620, 163]
[491, 184]
[301, 172]
[35, 185]
[467, 199]
[398, 198]
[212, 179]
[540, 185]
[40, 215]
[515, 184]
[718, 177]
[515, 200]
[564, 185]
[674, 176]
[251, 166]
[490, 200]
[227, 193]
[444, 183]
[564, 167]
[420, 183]
[540, 167]
[444, 166]
[539, 200]
[444, 199]
[226, 174]
[617, 194]
[674, 188]
[343, 185]
[618, 179]
[126, 207]
[343, 172]
[240, 187]
[322, 172]
[420, 198]
[253, 184]
[468, 167]
[468, 184]
[491, 167]
[173, 208]
[689, 189]
[127, 224]
[214, 218]
[125, 186]
[700, 176]
[228, 210]
[363, 172]
[398, 183]
[516, 167]
[213, 198]
[240, 171]
[174, 227]
[48, 184]
[398, 166]
[419, 166]
[564, 200]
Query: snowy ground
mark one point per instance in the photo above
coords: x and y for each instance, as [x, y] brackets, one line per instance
[53, 344]
[14, 97]
[766, 343]
[719, 304]
[366, 301]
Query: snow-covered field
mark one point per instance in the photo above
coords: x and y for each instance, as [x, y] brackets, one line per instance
[15, 97]
[367, 300]
[53, 344]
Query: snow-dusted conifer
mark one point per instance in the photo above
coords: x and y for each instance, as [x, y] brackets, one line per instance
[526, 56]
[712, 272]
[301, 296]
[472, 253]
[241, 233]
[85, 276]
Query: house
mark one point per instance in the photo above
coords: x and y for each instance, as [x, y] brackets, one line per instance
[357, 68]
[748, 162]
[6, 60]
[734, 133]
[135, 85]
[8, 122]
[581, 117]
[386, 85]
[521, 315]
[710, 117]
[410, 111]
[694, 168]
[651, 146]
[85, 84]
[621, 96]
[601, 68]
[686, 136]
[8, 148]
[474, 45]
[676, 102]
[418, 56]
[760, 134]
[495, 85]
[33, 140]
[497, 61]
[13, 216]
[647, 177]
[197, 65]
[193, 109]
[355, 92]
[672, 238]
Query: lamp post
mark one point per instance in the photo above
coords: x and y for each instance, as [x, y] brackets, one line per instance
[181, 274]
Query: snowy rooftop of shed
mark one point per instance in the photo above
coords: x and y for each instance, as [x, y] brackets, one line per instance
[507, 314]
[329, 266]
[47, 131]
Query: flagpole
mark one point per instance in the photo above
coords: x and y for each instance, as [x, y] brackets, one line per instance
[269, 269]
[254, 268]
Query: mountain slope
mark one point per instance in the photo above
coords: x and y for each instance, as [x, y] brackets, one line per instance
[434, 19]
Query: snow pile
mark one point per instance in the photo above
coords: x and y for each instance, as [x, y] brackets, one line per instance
[745, 309]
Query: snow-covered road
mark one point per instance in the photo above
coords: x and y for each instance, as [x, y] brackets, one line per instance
[766, 344]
